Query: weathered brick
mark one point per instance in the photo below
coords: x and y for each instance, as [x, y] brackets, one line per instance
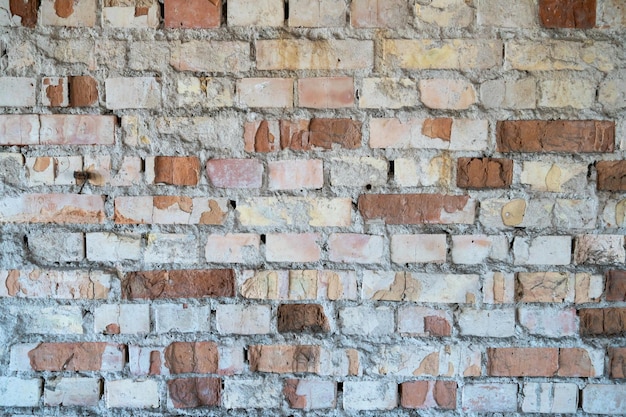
[51, 320]
[232, 248]
[122, 318]
[547, 55]
[503, 13]
[599, 249]
[509, 94]
[425, 248]
[542, 250]
[310, 394]
[325, 92]
[424, 322]
[580, 362]
[355, 248]
[611, 14]
[366, 320]
[180, 318]
[548, 322]
[18, 12]
[612, 91]
[615, 285]
[170, 210]
[83, 91]
[617, 362]
[187, 357]
[428, 394]
[589, 288]
[72, 391]
[56, 247]
[284, 358]
[611, 175]
[18, 392]
[181, 247]
[240, 319]
[443, 93]
[294, 211]
[604, 399]
[260, 13]
[211, 56]
[476, 249]
[17, 92]
[489, 398]
[567, 92]
[113, 247]
[554, 177]
[292, 247]
[192, 14]
[236, 393]
[127, 393]
[445, 13]
[296, 174]
[131, 14]
[579, 14]
[602, 321]
[370, 395]
[522, 361]
[302, 318]
[484, 172]
[544, 287]
[192, 283]
[265, 92]
[417, 208]
[487, 323]
[314, 55]
[177, 170]
[372, 14]
[52, 208]
[195, 392]
[132, 93]
[38, 283]
[550, 398]
[425, 171]
[82, 13]
[235, 173]
[498, 288]
[358, 171]
[391, 93]
[22, 129]
[79, 356]
[555, 136]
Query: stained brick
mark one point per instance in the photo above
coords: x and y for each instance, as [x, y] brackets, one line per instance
[522, 361]
[428, 394]
[284, 358]
[611, 175]
[302, 318]
[579, 14]
[616, 285]
[617, 362]
[26, 10]
[602, 321]
[85, 356]
[177, 170]
[484, 172]
[235, 173]
[83, 91]
[195, 392]
[193, 283]
[417, 208]
[187, 357]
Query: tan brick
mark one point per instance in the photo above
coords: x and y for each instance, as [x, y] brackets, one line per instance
[317, 13]
[294, 211]
[299, 285]
[372, 13]
[560, 55]
[611, 175]
[544, 287]
[284, 359]
[211, 56]
[319, 54]
[259, 13]
[447, 94]
[445, 13]
[265, 92]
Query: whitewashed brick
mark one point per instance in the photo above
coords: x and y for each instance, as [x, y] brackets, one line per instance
[370, 395]
[112, 247]
[604, 399]
[599, 249]
[51, 320]
[233, 248]
[243, 319]
[358, 172]
[490, 398]
[132, 394]
[411, 320]
[423, 171]
[542, 250]
[554, 177]
[367, 321]
[575, 214]
[507, 14]
[72, 391]
[174, 247]
[181, 318]
[498, 288]
[317, 394]
[550, 398]
[122, 318]
[388, 93]
[567, 92]
[17, 392]
[132, 93]
[17, 92]
[52, 246]
[418, 248]
[487, 323]
[257, 13]
[509, 94]
[548, 322]
[476, 249]
[252, 393]
[415, 360]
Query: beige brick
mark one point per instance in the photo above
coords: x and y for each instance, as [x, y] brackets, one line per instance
[72, 392]
[81, 14]
[133, 93]
[317, 13]
[294, 211]
[391, 93]
[124, 15]
[39, 283]
[612, 92]
[51, 320]
[232, 248]
[589, 288]
[211, 56]
[127, 393]
[567, 92]
[560, 55]
[298, 285]
[509, 94]
[418, 248]
[435, 54]
[611, 14]
[507, 14]
[113, 247]
[445, 13]
[544, 287]
[477, 249]
[17, 92]
[599, 250]
[257, 13]
[447, 94]
[319, 54]
[372, 13]
[148, 56]
[240, 319]
[205, 91]
[265, 92]
[423, 171]
[355, 248]
[505, 213]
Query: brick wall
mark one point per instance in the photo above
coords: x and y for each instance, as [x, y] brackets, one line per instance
[326, 205]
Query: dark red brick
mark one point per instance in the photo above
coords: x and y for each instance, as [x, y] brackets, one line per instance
[602, 321]
[617, 362]
[578, 14]
[26, 9]
[186, 357]
[302, 318]
[177, 170]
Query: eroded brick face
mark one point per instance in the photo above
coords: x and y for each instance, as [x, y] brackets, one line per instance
[611, 175]
[484, 173]
[579, 14]
[302, 318]
[179, 284]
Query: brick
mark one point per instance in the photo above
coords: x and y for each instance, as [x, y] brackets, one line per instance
[544, 287]
[484, 173]
[296, 174]
[17, 92]
[420, 287]
[132, 93]
[192, 283]
[261, 13]
[579, 14]
[416, 208]
[548, 322]
[240, 319]
[447, 94]
[16, 13]
[56, 247]
[599, 250]
[490, 398]
[51, 320]
[554, 177]
[612, 91]
[487, 323]
[310, 394]
[542, 250]
[602, 321]
[127, 393]
[509, 94]
[314, 55]
[134, 14]
[498, 288]
[550, 55]
[112, 247]
[83, 91]
[292, 247]
[442, 133]
[284, 358]
[391, 93]
[604, 399]
[294, 211]
[177, 170]
[194, 392]
[187, 357]
[435, 54]
[367, 321]
[72, 392]
[194, 14]
[426, 171]
[233, 248]
[522, 361]
[265, 92]
[77, 357]
[372, 14]
[567, 92]
[204, 91]
[617, 362]
[299, 285]
[180, 318]
[79, 14]
[84, 129]
[424, 322]
[170, 210]
[355, 248]
[502, 13]
[235, 173]
[614, 213]
[476, 249]
[445, 13]
[302, 318]
[52, 208]
[419, 248]
[610, 14]
[550, 398]
[20, 129]
[428, 394]
[589, 288]
[579, 362]
[180, 247]
[122, 319]
[370, 395]
[236, 393]
[319, 13]
[358, 171]
[411, 361]
[18, 392]
[555, 136]
[611, 175]
[231, 360]
[211, 56]
[615, 285]
[39, 283]
[148, 56]
[325, 92]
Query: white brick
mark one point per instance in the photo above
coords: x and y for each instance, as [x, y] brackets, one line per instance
[132, 93]
[550, 398]
[65, 168]
[111, 247]
[548, 322]
[358, 172]
[416, 360]
[132, 394]
[140, 360]
[422, 171]
[243, 319]
[476, 249]
[17, 92]
[257, 13]
[51, 320]
[418, 248]
[542, 250]
[233, 248]
[56, 246]
[231, 360]
[554, 176]
[368, 321]
[72, 391]
[605, 399]
[327, 13]
[181, 318]
[575, 214]
[370, 395]
[487, 323]
[265, 92]
[251, 394]
[317, 394]
[17, 392]
[175, 247]
[125, 318]
[567, 92]
[508, 14]
[502, 213]
[497, 397]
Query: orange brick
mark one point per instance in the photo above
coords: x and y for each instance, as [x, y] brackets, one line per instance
[192, 14]
[522, 361]
[177, 170]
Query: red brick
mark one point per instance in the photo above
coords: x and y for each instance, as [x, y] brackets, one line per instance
[235, 173]
[416, 208]
[302, 318]
[192, 13]
[616, 286]
[602, 321]
[414, 394]
[611, 175]
[83, 91]
[522, 361]
[195, 392]
[191, 283]
[26, 9]
[484, 172]
[85, 356]
[617, 362]
[571, 136]
[579, 14]
[284, 359]
[575, 362]
[187, 357]
[177, 170]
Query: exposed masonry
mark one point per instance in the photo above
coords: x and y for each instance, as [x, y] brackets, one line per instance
[312, 207]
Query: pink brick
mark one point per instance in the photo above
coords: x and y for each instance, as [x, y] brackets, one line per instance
[296, 174]
[548, 322]
[326, 92]
[447, 94]
[19, 129]
[235, 173]
[418, 248]
[357, 248]
[292, 247]
[233, 248]
[77, 129]
[496, 397]
[265, 92]
[52, 208]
